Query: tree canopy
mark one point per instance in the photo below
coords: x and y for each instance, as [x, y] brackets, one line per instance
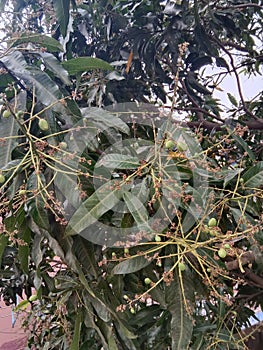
[130, 174]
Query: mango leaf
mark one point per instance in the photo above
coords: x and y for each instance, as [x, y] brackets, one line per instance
[3, 244]
[203, 40]
[101, 309]
[2, 5]
[46, 89]
[229, 174]
[52, 242]
[83, 64]
[77, 328]
[221, 62]
[137, 210]
[22, 305]
[103, 119]
[9, 127]
[131, 265]
[36, 205]
[24, 250]
[49, 43]
[232, 99]
[104, 199]
[84, 251]
[36, 251]
[181, 322]
[119, 161]
[141, 190]
[66, 184]
[243, 145]
[55, 66]
[62, 14]
[198, 343]
[253, 177]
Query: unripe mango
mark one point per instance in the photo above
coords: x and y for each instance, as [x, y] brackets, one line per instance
[43, 124]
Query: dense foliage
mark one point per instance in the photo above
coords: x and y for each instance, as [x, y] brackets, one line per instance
[130, 178]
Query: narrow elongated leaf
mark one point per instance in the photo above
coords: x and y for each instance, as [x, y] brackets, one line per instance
[119, 161]
[232, 99]
[36, 251]
[36, 205]
[62, 14]
[3, 244]
[53, 243]
[76, 336]
[9, 127]
[243, 145]
[221, 62]
[83, 64]
[2, 5]
[22, 305]
[101, 309]
[229, 175]
[198, 343]
[47, 42]
[99, 305]
[66, 184]
[103, 119]
[138, 211]
[46, 89]
[24, 251]
[254, 176]
[85, 254]
[104, 199]
[130, 265]
[181, 322]
[53, 64]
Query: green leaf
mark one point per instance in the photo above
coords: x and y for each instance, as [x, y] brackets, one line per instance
[83, 64]
[232, 99]
[46, 89]
[103, 119]
[101, 309]
[8, 128]
[2, 5]
[104, 199]
[66, 184]
[229, 174]
[22, 305]
[119, 161]
[24, 250]
[221, 62]
[77, 328]
[84, 251]
[36, 251]
[52, 242]
[253, 177]
[181, 322]
[62, 14]
[36, 205]
[131, 265]
[138, 211]
[204, 41]
[55, 66]
[3, 244]
[198, 343]
[243, 145]
[47, 42]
